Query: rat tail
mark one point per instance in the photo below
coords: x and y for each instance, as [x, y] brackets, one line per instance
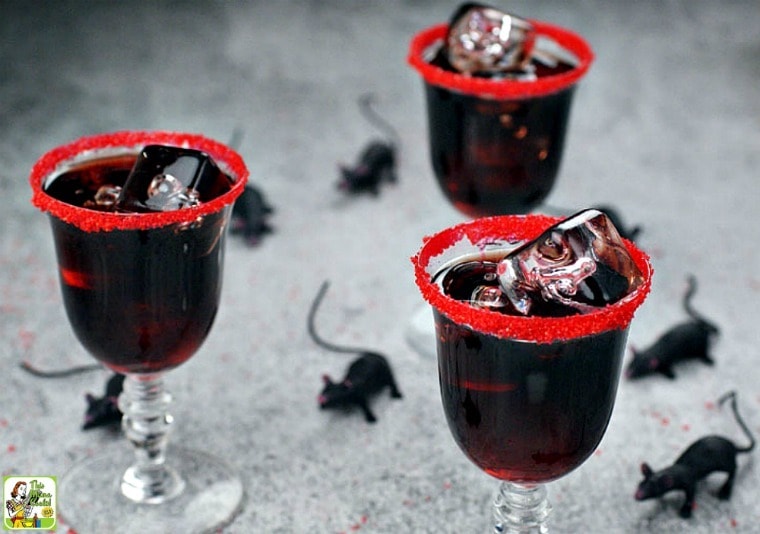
[731, 395]
[58, 373]
[694, 314]
[313, 330]
[374, 118]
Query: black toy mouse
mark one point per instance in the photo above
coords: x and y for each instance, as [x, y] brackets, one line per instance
[104, 411]
[249, 215]
[704, 456]
[377, 162]
[366, 376]
[101, 411]
[688, 340]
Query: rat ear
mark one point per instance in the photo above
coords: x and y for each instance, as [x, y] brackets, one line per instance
[326, 379]
[646, 470]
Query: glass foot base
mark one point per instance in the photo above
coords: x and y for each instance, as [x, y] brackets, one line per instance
[420, 332]
[90, 497]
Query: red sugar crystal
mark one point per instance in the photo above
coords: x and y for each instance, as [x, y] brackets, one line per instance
[501, 89]
[540, 330]
[98, 221]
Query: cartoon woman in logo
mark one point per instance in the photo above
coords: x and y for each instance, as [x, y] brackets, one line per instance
[19, 508]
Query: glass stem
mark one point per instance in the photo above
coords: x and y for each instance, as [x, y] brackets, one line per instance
[146, 422]
[521, 509]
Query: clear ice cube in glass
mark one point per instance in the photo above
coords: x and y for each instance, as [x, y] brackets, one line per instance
[482, 39]
[580, 263]
[167, 178]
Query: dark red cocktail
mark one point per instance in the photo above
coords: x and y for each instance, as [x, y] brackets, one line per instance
[139, 300]
[141, 290]
[527, 398]
[496, 144]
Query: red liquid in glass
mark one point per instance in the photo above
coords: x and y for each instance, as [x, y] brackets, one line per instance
[522, 411]
[141, 301]
[494, 157]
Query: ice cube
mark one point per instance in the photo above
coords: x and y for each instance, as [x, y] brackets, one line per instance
[462, 280]
[484, 40]
[166, 178]
[105, 198]
[489, 297]
[580, 264]
[167, 192]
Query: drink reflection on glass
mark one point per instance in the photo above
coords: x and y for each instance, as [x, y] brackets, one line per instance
[140, 266]
[527, 397]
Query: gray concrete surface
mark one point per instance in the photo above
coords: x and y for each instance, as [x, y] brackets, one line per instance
[666, 126]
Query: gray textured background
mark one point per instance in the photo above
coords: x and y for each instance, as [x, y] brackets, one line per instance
[666, 126]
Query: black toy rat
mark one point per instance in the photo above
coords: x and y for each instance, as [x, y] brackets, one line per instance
[688, 340]
[377, 162]
[249, 215]
[704, 456]
[366, 376]
[101, 411]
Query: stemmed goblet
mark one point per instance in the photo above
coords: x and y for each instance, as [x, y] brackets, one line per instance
[527, 398]
[496, 143]
[141, 291]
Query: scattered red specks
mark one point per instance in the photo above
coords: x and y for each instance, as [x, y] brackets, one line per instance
[447, 485]
[11, 448]
[665, 421]
[686, 427]
[356, 526]
[709, 405]
[26, 338]
[69, 530]
[598, 452]
[294, 294]
[407, 502]
[734, 523]
[3, 422]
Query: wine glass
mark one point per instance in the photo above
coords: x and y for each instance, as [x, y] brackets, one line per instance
[495, 144]
[141, 291]
[527, 399]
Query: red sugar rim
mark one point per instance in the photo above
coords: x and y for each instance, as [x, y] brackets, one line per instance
[541, 330]
[91, 147]
[501, 89]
